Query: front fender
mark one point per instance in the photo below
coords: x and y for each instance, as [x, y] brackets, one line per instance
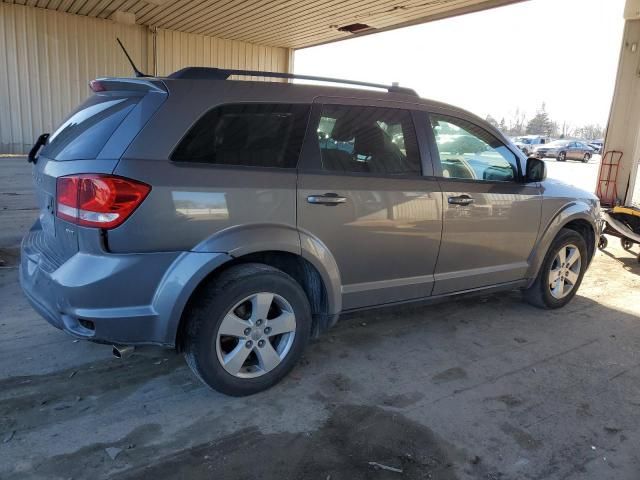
[576, 210]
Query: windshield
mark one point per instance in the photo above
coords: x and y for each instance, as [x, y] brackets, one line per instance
[88, 129]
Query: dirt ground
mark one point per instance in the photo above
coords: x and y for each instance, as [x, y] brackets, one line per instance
[481, 388]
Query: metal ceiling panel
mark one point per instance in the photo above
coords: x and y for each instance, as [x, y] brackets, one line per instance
[280, 23]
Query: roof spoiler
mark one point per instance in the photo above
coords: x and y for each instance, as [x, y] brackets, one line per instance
[134, 85]
[208, 73]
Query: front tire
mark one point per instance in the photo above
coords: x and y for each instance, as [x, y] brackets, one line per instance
[562, 157]
[247, 328]
[561, 272]
[586, 158]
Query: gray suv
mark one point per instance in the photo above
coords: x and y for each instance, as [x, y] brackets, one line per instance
[235, 220]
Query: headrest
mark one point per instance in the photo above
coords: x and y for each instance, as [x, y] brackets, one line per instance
[343, 130]
[369, 140]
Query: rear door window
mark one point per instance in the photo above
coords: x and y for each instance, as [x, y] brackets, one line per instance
[250, 135]
[368, 140]
[87, 130]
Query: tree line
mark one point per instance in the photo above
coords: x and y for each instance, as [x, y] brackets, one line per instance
[542, 124]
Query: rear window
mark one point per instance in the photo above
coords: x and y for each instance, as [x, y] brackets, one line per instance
[253, 135]
[86, 131]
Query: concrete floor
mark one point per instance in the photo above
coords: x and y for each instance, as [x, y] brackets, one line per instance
[483, 388]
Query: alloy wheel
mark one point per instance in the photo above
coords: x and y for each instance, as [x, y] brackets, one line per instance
[565, 271]
[256, 335]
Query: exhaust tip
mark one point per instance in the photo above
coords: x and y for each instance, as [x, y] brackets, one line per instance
[121, 351]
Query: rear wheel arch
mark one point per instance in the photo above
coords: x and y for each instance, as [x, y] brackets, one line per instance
[294, 265]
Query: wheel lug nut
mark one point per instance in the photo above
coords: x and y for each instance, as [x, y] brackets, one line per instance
[261, 343]
[249, 344]
[267, 330]
[259, 322]
[247, 331]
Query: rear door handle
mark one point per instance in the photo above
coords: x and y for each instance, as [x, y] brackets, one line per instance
[460, 200]
[329, 199]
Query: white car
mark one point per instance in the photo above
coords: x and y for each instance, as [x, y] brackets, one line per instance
[528, 143]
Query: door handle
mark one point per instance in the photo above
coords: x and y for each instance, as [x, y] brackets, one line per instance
[329, 199]
[460, 200]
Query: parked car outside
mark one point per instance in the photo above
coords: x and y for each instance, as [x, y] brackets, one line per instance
[528, 143]
[234, 221]
[563, 150]
[597, 146]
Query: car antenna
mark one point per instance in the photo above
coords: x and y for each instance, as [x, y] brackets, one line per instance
[133, 65]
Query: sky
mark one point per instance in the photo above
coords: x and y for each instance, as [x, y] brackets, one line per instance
[560, 52]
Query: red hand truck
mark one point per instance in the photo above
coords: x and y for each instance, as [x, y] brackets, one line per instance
[607, 180]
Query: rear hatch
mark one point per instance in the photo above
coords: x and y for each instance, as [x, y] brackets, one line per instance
[90, 140]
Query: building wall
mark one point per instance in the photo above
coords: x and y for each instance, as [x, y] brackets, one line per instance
[47, 59]
[623, 131]
[176, 50]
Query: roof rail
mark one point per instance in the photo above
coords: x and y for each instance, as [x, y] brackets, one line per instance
[210, 73]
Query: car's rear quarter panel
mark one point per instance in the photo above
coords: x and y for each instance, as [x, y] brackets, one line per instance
[191, 203]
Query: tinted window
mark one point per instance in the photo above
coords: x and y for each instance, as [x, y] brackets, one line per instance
[87, 130]
[256, 135]
[469, 152]
[368, 140]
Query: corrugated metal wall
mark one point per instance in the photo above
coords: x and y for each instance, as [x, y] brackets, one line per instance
[176, 50]
[47, 58]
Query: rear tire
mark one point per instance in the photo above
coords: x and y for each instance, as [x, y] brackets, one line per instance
[231, 340]
[548, 290]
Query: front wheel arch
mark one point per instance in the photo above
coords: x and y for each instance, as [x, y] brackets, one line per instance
[574, 217]
[540, 293]
[585, 229]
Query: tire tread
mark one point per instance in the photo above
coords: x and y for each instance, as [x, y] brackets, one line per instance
[210, 294]
[536, 294]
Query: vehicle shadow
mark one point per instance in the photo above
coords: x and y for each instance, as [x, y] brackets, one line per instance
[398, 387]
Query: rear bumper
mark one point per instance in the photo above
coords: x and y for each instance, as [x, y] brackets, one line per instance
[131, 299]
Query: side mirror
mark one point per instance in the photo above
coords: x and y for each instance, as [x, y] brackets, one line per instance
[536, 170]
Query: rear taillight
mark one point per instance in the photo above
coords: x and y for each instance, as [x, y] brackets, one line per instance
[95, 200]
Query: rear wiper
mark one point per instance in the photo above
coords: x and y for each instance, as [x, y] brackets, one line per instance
[42, 139]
